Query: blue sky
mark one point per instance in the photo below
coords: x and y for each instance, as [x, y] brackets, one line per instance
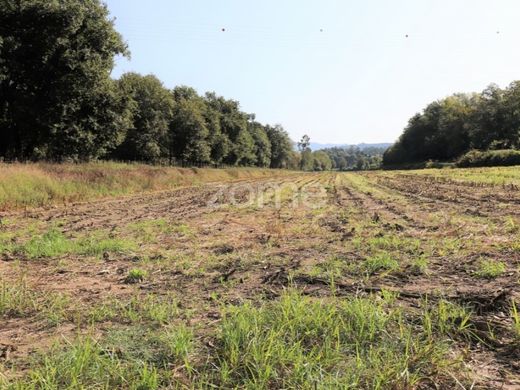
[341, 71]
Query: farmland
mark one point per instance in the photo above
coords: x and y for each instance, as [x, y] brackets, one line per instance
[402, 279]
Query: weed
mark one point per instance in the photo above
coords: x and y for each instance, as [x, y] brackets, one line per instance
[381, 262]
[490, 269]
[446, 318]
[54, 243]
[419, 265]
[16, 299]
[516, 320]
[136, 276]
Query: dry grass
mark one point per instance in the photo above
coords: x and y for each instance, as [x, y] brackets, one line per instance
[35, 185]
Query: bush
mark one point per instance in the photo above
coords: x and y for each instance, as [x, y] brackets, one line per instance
[490, 158]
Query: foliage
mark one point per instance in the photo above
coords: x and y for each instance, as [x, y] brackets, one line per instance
[355, 158]
[490, 158]
[151, 108]
[448, 128]
[55, 63]
[57, 100]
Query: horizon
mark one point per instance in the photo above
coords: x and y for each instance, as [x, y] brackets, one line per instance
[341, 73]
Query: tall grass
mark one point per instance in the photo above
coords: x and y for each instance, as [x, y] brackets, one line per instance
[34, 185]
[296, 342]
[299, 342]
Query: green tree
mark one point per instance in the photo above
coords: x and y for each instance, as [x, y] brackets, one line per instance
[262, 145]
[282, 152]
[322, 161]
[56, 98]
[307, 162]
[151, 106]
[189, 132]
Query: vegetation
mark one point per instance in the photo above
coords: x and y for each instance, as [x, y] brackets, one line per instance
[354, 158]
[489, 158]
[338, 280]
[490, 269]
[453, 126]
[33, 185]
[55, 62]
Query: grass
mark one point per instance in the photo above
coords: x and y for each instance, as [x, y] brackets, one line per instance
[294, 342]
[136, 276]
[53, 243]
[381, 262]
[515, 316]
[490, 269]
[127, 358]
[16, 299]
[299, 342]
[35, 185]
[138, 309]
[86, 364]
[209, 304]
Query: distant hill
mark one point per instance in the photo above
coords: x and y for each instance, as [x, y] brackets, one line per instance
[362, 146]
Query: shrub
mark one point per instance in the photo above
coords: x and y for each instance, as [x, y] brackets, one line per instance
[490, 158]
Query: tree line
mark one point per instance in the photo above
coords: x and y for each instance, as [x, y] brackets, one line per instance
[448, 128]
[354, 158]
[58, 101]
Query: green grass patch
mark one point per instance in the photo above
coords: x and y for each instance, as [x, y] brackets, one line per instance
[16, 299]
[138, 309]
[381, 262]
[299, 342]
[490, 269]
[136, 276]
[53, 243]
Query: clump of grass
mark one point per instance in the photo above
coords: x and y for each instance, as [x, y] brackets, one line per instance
[16, 299]
[446, 318]
[490, 269]
[134, 357]
[53, 243]
[161, 310]
[139, 309]
[333, 268]
[515, 316]
[511, 225]
[86, 364]
[381, 262]
[419, 265]
[136, 276]
[158, 348]
[299, 342]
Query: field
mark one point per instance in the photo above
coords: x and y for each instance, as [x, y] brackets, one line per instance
[383, 280]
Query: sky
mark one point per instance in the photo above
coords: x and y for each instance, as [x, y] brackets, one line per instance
[341, 71]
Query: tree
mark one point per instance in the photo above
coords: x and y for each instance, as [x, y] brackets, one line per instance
[151, 106]
[281, 147]
[304, 143]
[55, 62]
[189, 132]
[306, 163]
[322, 161]
[262, 145]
